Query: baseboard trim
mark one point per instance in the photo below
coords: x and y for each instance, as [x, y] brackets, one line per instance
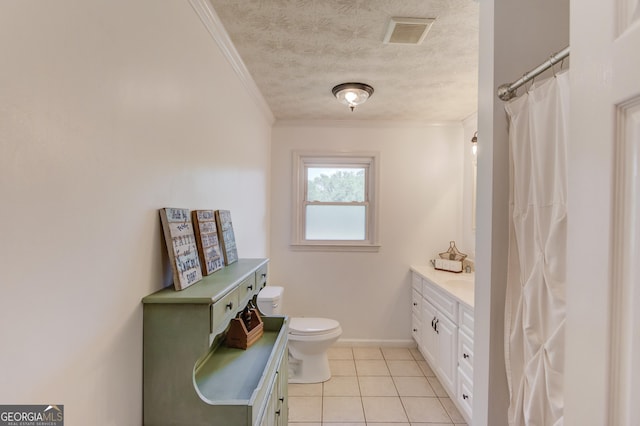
[398, 343]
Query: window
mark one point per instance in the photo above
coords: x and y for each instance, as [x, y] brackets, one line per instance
[335, 200]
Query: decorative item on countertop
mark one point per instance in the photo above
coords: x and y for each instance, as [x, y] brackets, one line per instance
[448, 265]
[453, 253]
[450, 260]
[245, 329]
[204, 222]
[181, 247]
[226, 236]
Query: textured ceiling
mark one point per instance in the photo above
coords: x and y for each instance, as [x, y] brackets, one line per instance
[297, 50]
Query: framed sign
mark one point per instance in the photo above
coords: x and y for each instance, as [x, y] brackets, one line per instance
[227, 237]
[181, 247]
[204, 223]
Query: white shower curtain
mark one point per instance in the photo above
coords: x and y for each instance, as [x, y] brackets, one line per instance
[535, 301]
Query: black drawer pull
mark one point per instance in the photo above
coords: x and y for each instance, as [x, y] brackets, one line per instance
[230, 305]
[278, 412]
[415, 304]
[281, 399]
[465, 396]
[465, 356]
[415, 330]
[250, 287]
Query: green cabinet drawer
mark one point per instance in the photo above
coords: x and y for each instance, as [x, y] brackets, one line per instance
[261, 276]
[224, 309]
[246, 290]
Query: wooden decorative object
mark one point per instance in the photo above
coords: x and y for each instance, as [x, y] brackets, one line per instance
[204, 223]
[245, 330]
[226, 236]
[181, 247]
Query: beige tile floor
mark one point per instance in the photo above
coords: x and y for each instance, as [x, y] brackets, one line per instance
[374, 387]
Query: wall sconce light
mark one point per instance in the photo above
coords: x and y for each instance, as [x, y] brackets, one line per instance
[474, 143]
[352, 94]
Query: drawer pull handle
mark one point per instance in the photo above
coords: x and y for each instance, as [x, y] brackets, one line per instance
[278, 412]
[281, 399]
[415, 304]
[415, 330]
[435, 326]
[465, 396]
[264, 275]
[465, 356]
[250, 287]
[230, 305]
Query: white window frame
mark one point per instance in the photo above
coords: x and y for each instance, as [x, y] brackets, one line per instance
[303, 159]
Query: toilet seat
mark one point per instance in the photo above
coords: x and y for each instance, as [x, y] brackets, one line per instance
[304, 326]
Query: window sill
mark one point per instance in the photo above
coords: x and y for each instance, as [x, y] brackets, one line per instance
[332, 246]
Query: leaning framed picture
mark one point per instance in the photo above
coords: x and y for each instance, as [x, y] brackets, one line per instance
[226, 236]
[181, 247]
[204, 223]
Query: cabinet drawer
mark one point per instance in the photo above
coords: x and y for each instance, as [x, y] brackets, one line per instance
[465, 353]
[444, 304]
[224, 309]
[261, 277]
[465, 320]
[416, 302]
[464, 394]
[246, 290]
[416, 282]
[416, 328]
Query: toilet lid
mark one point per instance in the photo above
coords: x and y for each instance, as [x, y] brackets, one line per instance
[312, 326]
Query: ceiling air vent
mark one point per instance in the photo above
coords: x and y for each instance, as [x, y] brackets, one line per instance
[407, 30]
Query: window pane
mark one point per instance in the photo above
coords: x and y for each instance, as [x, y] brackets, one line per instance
[335, 223]
[335, 184]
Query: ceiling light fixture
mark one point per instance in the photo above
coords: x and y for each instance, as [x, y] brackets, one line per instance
[352, 94]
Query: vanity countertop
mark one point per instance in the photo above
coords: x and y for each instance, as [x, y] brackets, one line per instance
[459, 285]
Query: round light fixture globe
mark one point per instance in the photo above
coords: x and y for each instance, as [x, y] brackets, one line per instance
[352, 94]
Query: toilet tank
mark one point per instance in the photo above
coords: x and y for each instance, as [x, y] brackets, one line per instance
[270, 300]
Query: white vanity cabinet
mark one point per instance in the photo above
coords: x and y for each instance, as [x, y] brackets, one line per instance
[443, 316]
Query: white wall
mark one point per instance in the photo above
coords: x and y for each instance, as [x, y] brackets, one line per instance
[420, 212]
[514, 38]
[108, 111]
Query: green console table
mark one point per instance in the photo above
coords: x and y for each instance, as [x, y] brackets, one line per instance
[190, 376]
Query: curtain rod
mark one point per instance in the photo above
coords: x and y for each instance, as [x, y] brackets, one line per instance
[508, 91]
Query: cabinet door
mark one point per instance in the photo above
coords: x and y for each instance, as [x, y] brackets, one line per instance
[447, 333]
[282, 404]
[465, 352]
[269, 416]
[465, 394]
[429, 344]
[416, 329]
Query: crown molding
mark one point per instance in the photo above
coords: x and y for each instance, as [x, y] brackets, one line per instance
[214, 26]
[366, 123]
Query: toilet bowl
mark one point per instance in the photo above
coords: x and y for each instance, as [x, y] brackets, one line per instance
[309, 339]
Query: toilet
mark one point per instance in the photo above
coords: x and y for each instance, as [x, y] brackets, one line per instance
[309, 339]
